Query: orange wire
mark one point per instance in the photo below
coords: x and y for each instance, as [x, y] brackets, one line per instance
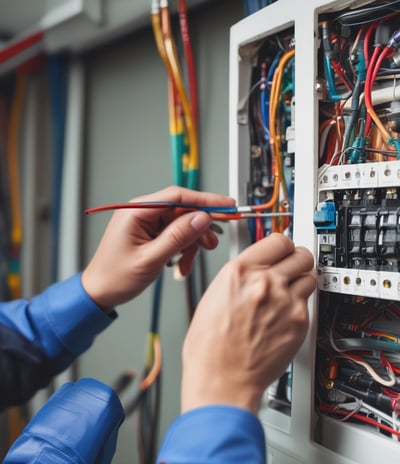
[14, 279]
[169, 55]
[156, 367]
[274, 102]
[273, 200]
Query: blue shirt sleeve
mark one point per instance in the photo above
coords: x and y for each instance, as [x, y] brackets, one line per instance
[39, 338]
[214, 435]
[63, 319]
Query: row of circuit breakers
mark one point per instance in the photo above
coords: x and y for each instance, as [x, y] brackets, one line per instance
[358, 225]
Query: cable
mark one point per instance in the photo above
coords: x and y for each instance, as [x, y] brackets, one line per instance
[333, 409]
[369, 14]
[275, 141]
[222, 213]
[187, 48]
[14, 277]
[167, 51]
[358, 360]
[372, 72]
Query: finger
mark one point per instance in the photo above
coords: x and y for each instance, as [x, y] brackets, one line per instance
[305, 285]
[187, 259]
[182, 195]
[179, 235]
[177, 195]
[267, 251]
[296, 264]
[208, 240]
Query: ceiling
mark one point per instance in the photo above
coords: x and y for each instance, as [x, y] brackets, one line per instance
[20, 15]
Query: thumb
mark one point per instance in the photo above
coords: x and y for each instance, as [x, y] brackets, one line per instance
[180, 233]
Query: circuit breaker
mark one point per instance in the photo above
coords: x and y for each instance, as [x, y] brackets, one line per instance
[315, 147]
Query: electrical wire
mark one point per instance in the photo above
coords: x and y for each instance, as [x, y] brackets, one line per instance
[14, 277]
[333, 409]
[369, 14]
[221, 213]
[188, 51]
[167, 51]
[275, 141]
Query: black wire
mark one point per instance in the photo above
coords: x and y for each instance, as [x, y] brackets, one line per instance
[369, 14]
[155, 315]
[148, 420]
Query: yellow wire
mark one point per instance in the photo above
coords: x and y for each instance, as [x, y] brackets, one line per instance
[15, 418]
[154, 359]
[13, 168]
[385, 134]
[167, 51]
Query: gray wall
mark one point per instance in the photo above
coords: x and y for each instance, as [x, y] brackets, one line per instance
[127, 154]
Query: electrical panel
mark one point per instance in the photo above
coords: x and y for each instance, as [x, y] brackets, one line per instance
[315, 148]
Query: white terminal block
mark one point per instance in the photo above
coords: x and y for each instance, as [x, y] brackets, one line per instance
[357, 176]
[373, 284]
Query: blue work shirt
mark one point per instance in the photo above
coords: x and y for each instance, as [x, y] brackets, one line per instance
[40, 337]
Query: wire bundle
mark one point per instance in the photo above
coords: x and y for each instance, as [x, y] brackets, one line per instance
[183, 121]
[358, 362]
[182, 109]
[271, 115]
[358, 67]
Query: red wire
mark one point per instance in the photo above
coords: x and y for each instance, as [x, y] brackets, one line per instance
[368, 88]
[339, 71]
[328, 408]
[18, 47]
[378, 64]
[259, 229]
[216, 216]
[32, 64]
[370, 31]
[187, 48]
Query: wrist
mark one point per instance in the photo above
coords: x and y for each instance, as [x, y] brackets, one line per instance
[197, 394]
[91, 287]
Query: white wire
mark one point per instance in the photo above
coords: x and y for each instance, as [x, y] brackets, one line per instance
[372, 373]
[360, 405]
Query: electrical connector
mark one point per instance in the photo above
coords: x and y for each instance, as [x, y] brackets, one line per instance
[325, 217]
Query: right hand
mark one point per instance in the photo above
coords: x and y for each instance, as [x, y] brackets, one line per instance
[248, 326]
[138, 243]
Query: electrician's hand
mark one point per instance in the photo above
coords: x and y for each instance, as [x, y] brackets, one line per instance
[138, 243]
[248, 325]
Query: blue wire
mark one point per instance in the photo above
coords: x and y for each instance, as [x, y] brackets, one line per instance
[396, 144]
[251, 6]
[266, 97]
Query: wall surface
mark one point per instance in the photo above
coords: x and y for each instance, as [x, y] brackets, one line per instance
[127, 154]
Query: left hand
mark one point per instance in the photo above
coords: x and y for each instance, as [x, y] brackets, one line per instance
[138, 243]
[248, 325]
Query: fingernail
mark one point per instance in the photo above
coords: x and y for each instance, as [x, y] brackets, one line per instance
[200, 221]
[216, 228]
[177, 274]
